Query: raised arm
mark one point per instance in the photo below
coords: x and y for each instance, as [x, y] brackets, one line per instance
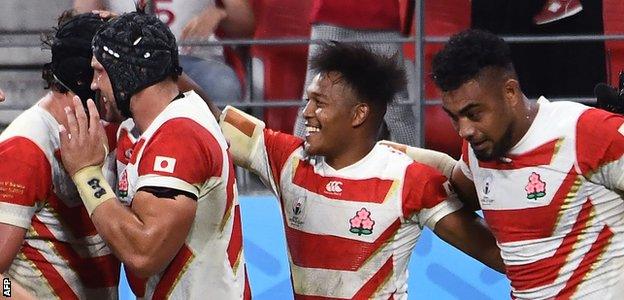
[146, 236]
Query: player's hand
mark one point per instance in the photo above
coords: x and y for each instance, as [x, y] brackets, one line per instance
[2, 97]
[84, 142]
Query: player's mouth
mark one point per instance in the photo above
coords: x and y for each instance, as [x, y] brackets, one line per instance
[479, 146]
[311, 130]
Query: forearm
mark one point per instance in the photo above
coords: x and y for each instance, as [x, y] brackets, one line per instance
[484, 248]
[17, 291]
[135, 241]
[466, 231]
[130, 239]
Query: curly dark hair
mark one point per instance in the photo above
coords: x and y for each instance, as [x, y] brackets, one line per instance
[466, 54]
[374, 78]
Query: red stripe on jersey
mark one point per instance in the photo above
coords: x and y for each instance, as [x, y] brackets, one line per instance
[75, 219]
[423, 187]
[235, 247]
[94, 272]
[136, 149]
[136, 283]
[598, 141]
[229, 192]
[596, 250]
[464, 152]
[60, 287]
[25, 176]
[372, 190]
[539, 156]
[173, 272]
[544, 271]
[368, 289]
[247, 291]
[308, 250]
[111, 135]
[279, 146]
[373, 284]
[198, 156]
[511, 225]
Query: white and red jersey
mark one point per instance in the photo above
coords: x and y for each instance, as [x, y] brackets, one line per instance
[62, 255]
[350, 232]
[184, 149]
[552, 203]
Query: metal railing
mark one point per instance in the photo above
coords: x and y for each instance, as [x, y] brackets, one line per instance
[417, 98]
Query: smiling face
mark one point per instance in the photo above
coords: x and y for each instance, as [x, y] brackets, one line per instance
[329, 115]
[107, 107]
[482, 114]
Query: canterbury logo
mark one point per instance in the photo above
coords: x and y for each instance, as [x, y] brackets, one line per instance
[334, 187]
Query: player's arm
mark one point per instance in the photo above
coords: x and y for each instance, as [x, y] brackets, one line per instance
[465, 188]
[254, 147]
[11, 239]
[467, 231]
[17, 291]
[145, 237]
[435, 159]
[429, 200]
[600, 148]
[446, 165]
[84, 6]
[25, 179]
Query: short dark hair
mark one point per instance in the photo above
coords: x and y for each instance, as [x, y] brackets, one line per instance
[374, 78]
[466, 54]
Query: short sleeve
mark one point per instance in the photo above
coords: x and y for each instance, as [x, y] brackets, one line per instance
[600, 147]
[181, 155]
[262, 150]
[427, 196]
[25, 180]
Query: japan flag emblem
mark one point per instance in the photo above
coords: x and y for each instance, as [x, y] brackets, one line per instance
[164, 164]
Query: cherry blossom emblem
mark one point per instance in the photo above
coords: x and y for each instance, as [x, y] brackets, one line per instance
[362, 223]
[536, 188]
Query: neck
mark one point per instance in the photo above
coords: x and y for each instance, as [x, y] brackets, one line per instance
[55, 103]
[353, 151]
[147, 104]
[524, 120]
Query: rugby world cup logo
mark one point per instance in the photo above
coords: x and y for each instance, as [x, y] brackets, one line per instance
[362, 224]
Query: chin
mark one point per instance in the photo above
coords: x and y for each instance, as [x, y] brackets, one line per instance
[484, 155]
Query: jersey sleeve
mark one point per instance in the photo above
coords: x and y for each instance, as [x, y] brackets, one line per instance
[600, 147]
[25, 180]
[464, 162]
[254, 147]
[427, 197]
[181, 155]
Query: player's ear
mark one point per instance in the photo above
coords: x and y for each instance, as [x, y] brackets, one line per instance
[361, 112]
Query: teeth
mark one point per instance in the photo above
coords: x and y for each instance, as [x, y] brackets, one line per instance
[312, 129]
